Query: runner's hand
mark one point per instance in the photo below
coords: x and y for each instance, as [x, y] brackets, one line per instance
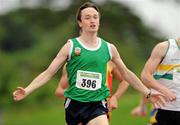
[19, 94]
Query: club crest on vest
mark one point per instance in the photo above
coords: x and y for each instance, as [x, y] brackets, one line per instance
[77, 51]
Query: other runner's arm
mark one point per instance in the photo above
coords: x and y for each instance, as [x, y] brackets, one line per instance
[141, 109]
[150, 67]
[63, 84]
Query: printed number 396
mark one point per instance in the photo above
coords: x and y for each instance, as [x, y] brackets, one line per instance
[88, 83]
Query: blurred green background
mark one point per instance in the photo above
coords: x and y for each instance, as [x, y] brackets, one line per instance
[31, 38]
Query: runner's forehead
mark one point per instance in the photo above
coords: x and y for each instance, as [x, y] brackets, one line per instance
[89, 11]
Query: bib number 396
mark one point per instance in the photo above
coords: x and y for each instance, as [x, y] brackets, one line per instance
[88, 80]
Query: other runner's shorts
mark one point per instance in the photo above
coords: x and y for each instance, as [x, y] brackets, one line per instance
[82, 112]
[167, 117]
[109, 113]
[153, 113]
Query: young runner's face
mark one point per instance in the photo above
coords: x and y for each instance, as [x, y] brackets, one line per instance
[89, 20]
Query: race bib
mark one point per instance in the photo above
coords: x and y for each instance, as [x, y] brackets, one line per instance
[88, 80]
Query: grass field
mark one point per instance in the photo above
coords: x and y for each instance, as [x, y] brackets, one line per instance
[53, 114]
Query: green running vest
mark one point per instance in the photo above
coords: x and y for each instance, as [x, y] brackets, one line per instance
[86, 72]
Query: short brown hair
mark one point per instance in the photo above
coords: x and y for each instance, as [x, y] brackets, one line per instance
[83, 6]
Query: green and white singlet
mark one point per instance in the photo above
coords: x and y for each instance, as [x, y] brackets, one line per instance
[86, 70]
[168, 74]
